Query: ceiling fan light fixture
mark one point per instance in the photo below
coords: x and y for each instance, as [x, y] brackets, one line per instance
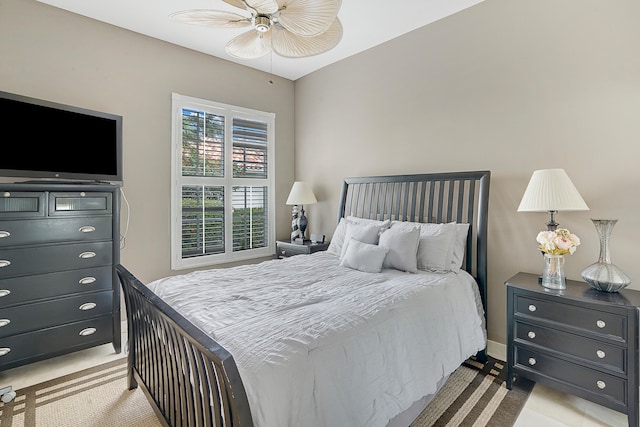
[262, 23]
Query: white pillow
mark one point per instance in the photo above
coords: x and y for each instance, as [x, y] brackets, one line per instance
[362, 232]
[363, 256]
[338, 238]
[436, 245]
[403, 247]
[459, 246]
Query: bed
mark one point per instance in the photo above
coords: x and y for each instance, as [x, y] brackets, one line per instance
[205, 358]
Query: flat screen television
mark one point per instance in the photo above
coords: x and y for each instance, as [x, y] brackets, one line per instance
[42, 139]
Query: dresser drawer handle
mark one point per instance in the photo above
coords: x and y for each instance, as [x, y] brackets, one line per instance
[6, 194]
[531, 334]
[601, 354]
[4, 292]
[601, 324]
[87, 280]
[4, 234]
[87, 229]
[87, 306]
[532, 361]
[87, 331]
[601, 384]
[4, 350]
[532, 308]
[4, 263]
[87, 255]
[4, 322]
[283, 252]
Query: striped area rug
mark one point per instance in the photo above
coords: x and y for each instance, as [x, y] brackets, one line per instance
[474, 395]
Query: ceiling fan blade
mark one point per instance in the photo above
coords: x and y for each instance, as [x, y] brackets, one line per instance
[236, 3]
[263, 7]
[290, 45]
[250, 45]
[308, 17]
[211, 18]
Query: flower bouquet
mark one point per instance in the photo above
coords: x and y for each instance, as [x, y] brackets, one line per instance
[556, 244]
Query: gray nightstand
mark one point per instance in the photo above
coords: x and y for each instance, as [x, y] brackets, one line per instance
[287, 249]
[578, 340]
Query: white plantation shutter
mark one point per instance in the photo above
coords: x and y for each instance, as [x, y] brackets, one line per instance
[222, 196]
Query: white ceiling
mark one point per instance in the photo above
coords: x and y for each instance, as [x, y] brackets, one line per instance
[366, 23]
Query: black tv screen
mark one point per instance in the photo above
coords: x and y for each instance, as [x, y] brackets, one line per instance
[42, 139]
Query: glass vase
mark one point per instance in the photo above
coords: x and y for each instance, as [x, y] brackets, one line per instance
[604, 275]
[553, 274]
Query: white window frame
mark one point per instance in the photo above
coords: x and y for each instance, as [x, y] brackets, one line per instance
[228, 181]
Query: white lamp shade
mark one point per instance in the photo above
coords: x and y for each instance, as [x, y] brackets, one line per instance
[551, 190]
[301, 194]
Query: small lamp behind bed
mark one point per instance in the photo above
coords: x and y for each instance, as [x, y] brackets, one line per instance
[300, 194]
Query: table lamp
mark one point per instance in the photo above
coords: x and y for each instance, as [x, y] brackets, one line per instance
[300, 194]
[551, 190]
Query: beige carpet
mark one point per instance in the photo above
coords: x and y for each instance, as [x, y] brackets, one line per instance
[474, 395]
[94, 397]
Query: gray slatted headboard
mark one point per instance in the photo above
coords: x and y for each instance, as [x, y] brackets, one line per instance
[462, 197]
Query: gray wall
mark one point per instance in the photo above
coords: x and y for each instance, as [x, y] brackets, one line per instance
[52, 54]
[506, 85]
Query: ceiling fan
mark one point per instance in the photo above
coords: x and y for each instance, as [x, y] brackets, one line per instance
[290, 28]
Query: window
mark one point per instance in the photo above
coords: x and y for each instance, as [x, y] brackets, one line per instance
[222, 200]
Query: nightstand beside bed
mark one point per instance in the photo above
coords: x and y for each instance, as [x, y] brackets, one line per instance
[578, 340]
[287, 249]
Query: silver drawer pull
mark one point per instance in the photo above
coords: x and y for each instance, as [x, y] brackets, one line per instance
[532, 361]
[87, 306]
[4, 292]
[4, 234]
[87, 280]
[6, 194]
[4, 322]
[531, 334]
[532, 307]
[4, 350]
[4, 263]
[87, 229]
[601, 324]
[601, 384]
[86, 255]
[601, 354]
[87, 331]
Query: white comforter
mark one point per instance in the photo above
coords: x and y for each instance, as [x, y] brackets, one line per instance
[317, 344]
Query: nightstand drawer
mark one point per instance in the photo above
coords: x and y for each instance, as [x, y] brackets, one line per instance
[589, 380]
[292, 250]
[587, 319]
[607, 356]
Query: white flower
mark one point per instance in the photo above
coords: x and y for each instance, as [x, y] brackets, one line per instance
[558, 242]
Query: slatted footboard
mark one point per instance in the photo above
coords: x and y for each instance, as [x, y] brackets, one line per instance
[190, 379]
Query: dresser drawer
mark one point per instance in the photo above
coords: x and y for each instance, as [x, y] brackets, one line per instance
[608, 356]
[25, 348]
[18, 290]
[51, 230]
[28, 317]
[19, 204]
[81, 203]
[46, 259]
[588, 319]
[592, 381]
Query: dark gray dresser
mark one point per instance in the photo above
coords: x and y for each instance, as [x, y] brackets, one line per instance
[578, 340]
[59, 293]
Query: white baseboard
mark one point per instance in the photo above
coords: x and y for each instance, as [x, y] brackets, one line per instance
[497, 350]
